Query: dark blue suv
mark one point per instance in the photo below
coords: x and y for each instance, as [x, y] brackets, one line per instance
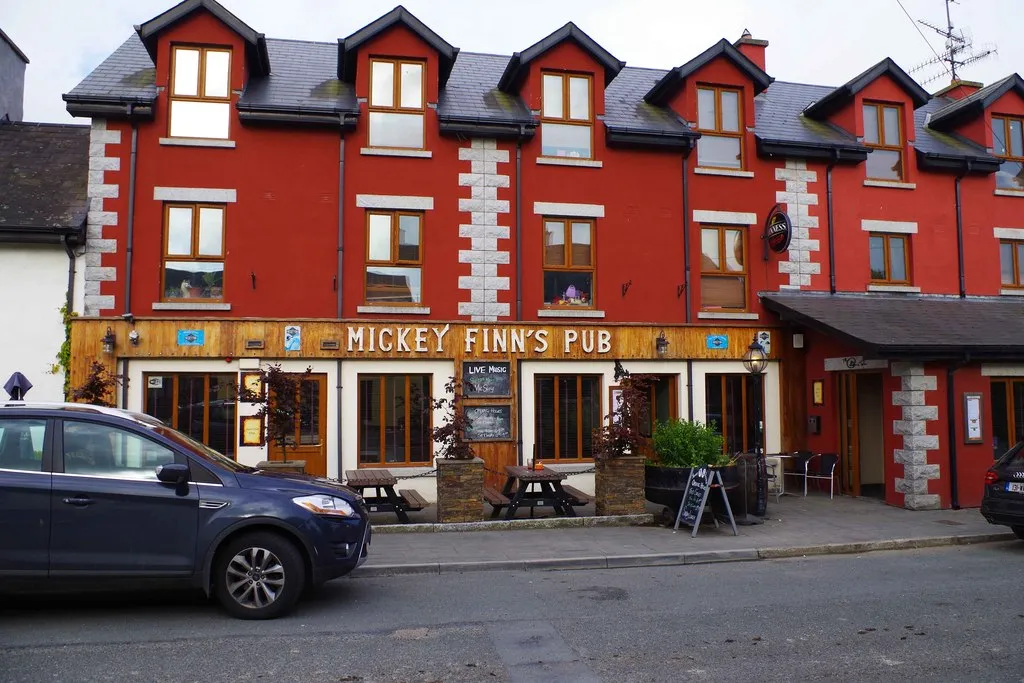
[93, 496]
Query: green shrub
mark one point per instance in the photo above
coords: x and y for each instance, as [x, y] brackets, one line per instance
[681, 443]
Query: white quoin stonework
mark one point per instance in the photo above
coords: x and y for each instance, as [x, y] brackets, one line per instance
[800, 264]
[916, 441]
[101, 160]
[487, 240]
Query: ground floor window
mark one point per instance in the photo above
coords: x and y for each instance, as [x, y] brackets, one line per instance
[661, 403]
[201, 405]
[568, 410]
[1007, 414]
[394, 420]
[735, 404]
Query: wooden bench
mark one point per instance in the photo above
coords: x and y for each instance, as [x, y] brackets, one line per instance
[578, 497]
[413, 500]
[495, 497]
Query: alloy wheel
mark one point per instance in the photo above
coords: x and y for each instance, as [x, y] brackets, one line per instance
[255, 577]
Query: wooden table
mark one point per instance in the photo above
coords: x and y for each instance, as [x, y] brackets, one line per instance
[385, 498]
[549, 492]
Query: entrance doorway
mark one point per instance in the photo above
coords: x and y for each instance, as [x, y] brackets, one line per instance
[861, 435]
[734, 403]
[309, 440]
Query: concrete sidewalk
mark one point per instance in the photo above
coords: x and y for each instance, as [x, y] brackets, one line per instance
[794, 526]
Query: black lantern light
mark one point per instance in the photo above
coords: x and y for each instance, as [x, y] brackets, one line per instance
[755, 360]
[108, 341]
[661, 345]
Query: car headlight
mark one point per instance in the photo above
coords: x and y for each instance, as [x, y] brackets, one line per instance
[326, 505]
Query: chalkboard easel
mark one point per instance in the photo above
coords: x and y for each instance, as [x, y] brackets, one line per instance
[695, 499]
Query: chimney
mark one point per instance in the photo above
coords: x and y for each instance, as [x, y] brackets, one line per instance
[752, 48]
[959, 89]
[12, 79]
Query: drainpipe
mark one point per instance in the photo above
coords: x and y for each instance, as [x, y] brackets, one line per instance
[689, 386]
[341, 240]
[519, 233]
[686, 246]
[831, 229]
[960, 231]
[124, 383]
[341, 469]
[131, 215]
[954, 494]
[519, 412]
[71, 273]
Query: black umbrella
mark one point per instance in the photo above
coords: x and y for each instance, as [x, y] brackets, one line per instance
[17, 386]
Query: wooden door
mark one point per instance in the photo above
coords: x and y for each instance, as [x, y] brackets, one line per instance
[309, 440]
[849, 441]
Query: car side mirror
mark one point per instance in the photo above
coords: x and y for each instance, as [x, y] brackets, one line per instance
[172, 473]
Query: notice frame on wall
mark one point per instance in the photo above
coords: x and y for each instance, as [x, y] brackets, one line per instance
[973, 433]
[251, 432]
[489, 422]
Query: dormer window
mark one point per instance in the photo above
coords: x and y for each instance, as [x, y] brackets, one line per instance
[1008, 145]
[200, 93]
[883, 133]
[719, 114]
[566, 116]
[397, 102]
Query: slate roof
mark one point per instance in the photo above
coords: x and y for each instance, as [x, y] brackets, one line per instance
[780, 118]
[666, 88]
[956, 111]
[910, 325]
[518, 64]
[304, 77]
[936, 142]
[44, 169]
[841, 96]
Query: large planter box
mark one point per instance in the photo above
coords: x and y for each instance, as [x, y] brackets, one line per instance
[619, 486]
[296, 466]
[460, 490]
[666, 485]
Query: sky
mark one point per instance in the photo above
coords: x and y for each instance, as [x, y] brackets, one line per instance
[825, 42]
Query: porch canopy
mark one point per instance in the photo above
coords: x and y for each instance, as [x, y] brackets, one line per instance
[911, 327]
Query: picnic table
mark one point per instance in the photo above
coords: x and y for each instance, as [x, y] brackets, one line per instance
[385, 498]
[534, 488]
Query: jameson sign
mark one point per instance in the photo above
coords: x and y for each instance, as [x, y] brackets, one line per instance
[477, 341]
[778, 230]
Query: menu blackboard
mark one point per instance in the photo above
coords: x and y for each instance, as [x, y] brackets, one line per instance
[486, 379]
[694, 498]
[489, 423]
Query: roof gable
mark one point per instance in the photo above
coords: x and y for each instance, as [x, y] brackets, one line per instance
[518, 66]
[348, 48]
[843, 95]
[665, 89]
[256, 44]
[976, 103]
[7, 39]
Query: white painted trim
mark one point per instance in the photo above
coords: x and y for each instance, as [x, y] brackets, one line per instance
[572, 210]
[569, 313]
[895, 227]
[729, 172]
[1002, 370]
[724, 315]
[725, 217]
[182, 306]
[394, 310]
[892, 184]
[391, 152]
[772, 396]
[194, 194]
[1011, 292]
[569, 161]
[894, 288]
[196, 142]
[844, 363]
[390, 201]
[1008, 233]
[1009, 193]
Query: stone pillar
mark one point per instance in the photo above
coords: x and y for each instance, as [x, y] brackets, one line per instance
[460, 490]
[619, 486]
[98, 240]
[800, 260]
[913, 427]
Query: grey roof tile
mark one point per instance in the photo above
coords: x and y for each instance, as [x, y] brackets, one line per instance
[931, 141]
[779, 112]
[955, 110]
[626, 110]
[126, 75]
[472, 94]
[303, 76]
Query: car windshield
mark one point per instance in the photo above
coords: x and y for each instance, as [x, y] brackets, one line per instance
[203, 450]
[1013, 457]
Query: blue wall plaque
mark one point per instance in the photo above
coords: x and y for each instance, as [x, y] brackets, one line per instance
[718, 341]
[191, 337]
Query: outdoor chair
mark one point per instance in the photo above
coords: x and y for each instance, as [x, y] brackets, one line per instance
[818, 466]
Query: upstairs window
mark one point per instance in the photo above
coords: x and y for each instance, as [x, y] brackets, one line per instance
[890, 259]
[723, 269]
[568, 263]
[1008, 145]
[193, 252]
[200, 93]
[397, 102]
[394, 258]
[1011, 263]
[566, 116]
[883, 133]
[719, 113]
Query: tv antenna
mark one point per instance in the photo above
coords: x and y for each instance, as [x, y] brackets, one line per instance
[959, 51]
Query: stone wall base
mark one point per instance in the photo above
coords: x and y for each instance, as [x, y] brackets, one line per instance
[460, 490]
[619, 486]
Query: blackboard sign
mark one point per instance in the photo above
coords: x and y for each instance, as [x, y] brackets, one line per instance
[695, 497]
[484, 379]
[489, 423]
[762, 485]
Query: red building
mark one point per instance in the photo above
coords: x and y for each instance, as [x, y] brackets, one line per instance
[414, 210]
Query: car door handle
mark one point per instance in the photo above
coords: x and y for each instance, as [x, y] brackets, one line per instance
[78, 502]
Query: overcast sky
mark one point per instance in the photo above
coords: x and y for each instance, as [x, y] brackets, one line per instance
[813, 41]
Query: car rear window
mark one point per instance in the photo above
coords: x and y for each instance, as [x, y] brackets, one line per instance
[1013, 457]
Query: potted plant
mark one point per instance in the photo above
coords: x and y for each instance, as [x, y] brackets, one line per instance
[679, 446]
[618, 465]
[460, 474]
[99, 386]
[278, 407]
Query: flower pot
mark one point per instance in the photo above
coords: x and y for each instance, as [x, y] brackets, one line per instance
[665, 485]
[460, 490]
[619, 486]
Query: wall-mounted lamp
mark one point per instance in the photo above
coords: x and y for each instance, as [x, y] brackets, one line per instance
[108, 341]
[133, 338]
[661, 345]
[755, 360]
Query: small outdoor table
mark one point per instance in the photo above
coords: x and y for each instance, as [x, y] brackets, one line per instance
[548, 491]
[385, 498]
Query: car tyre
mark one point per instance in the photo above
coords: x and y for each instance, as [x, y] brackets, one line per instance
[1019, 530]
[259, 576]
